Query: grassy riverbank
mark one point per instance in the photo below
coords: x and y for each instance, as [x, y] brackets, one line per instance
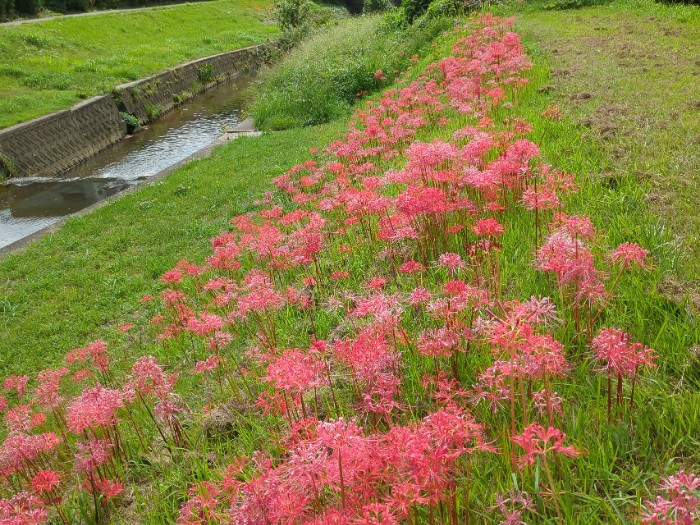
[51, 65]
[86, 279]
[315, 268]
[628, 74]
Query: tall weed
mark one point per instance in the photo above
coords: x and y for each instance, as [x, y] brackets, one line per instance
[319, 81]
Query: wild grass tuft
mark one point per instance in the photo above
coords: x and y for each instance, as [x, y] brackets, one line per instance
[321, 79]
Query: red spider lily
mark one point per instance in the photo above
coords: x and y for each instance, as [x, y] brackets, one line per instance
[94, 353]
[419, 296]
[620, 355]
[681, 506]
[96, 407]
[488, 228]
[513, 506]
[23, 509]
[46, 393]
[20, 451]
[204, 324]
[552, 112]
[622, 358]
[91, 454]
[537, 440]
[629, 254]
[108, 489]
[211, 363]
[20, 418]
[18, 384]
[295, 371]
[45, 481]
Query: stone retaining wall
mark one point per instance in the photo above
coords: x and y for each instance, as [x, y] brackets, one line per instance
[51, 144]
[54, 143]
[149, 98]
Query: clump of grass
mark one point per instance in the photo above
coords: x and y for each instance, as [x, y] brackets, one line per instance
[320, 80]
[7, 168]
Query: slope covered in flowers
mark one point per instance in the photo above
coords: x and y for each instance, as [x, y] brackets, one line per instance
[357, 351]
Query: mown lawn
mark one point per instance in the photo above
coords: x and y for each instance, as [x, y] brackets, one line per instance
[49, 66]
[628, 74]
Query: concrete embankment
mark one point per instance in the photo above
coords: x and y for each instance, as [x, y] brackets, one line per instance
[52, 144]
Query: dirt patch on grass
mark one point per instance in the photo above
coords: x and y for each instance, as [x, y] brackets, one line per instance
[633, 79]
[678, 292]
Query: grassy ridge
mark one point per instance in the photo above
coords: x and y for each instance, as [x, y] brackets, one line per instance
[48, 66]
[622, 461]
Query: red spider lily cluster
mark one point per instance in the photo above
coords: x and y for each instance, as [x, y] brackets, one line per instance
[681, 504]
[361, 313]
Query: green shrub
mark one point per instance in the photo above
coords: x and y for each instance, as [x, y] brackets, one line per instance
[205, 73]
[414, 8]
[450, 8]
[395, 19]
[77, 6]
[374, 6]
[574, 4]
[27, 7]
[291, 14]
[321, 79]
[153, 111]
[7, 168]
[131, 121]
[7, 9]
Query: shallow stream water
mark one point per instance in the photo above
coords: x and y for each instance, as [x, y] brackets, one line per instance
[28, 205]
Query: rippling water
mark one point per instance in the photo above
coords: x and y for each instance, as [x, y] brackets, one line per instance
[29, 204]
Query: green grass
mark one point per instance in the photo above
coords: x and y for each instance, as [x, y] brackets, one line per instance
[49, 66]
[321, 79]
[628, 72]
[85, 279]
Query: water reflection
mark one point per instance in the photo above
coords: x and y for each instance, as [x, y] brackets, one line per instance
[59, 198]
[28, 205]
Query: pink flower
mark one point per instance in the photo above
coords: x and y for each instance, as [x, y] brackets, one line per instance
[629, 254]
[22, 509]
[411, 267]
[376, 283]
[488, 228]
[95, 407]
[205, 324]
[538, 440]
[91, 454]
[45, 481]
[681, 506]
[47, 391]
[552, 112]
[419, 296]
[209, 364]
[125, 327]
[294, 371]
[620, 355]
[16, 383]
[452, 261]
[108, 489]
